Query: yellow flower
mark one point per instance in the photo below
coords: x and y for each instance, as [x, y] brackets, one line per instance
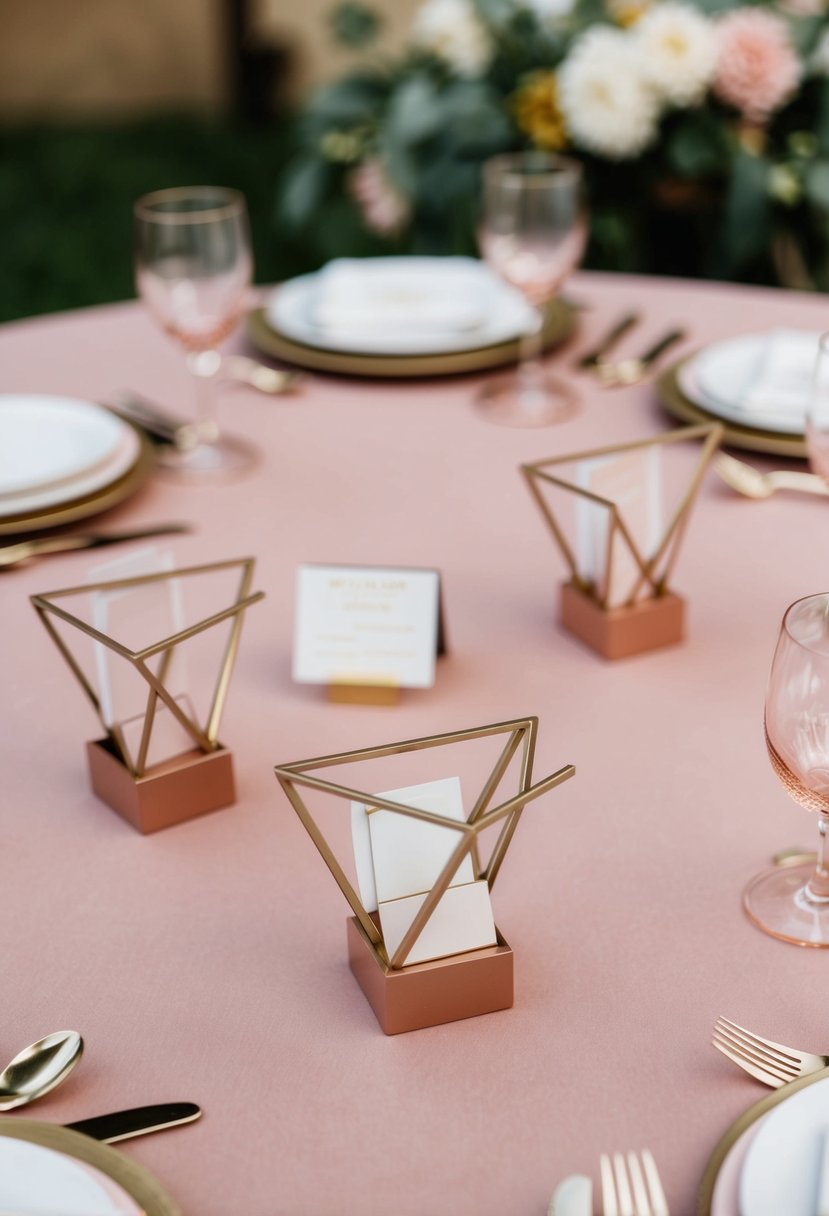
[537, 111]
[627, 12]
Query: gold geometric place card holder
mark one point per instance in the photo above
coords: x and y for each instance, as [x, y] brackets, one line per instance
[159, 699]
[418, 942]
[619, 515]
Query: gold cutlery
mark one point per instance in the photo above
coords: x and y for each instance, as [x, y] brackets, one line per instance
[267, 379]
[632, 371]
[632, 1189]
[24, 550]
[772, 1063]
[605, 345]
[140, 1121]
[38, 1069]
[747, 480]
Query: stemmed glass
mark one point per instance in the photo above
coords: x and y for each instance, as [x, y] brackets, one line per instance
[194, 267]
[792, 903]
[817, 415]
[533, 233]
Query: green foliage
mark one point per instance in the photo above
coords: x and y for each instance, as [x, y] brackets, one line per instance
[354, 25]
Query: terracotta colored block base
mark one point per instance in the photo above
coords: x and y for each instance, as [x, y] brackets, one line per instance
[168, 793]
[618, 633]
[429, 994]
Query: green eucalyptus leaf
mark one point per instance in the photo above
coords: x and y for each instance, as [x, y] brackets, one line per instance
[304, 186]
[748, 210]
[354, 25]
[817, 183]
[415, 111]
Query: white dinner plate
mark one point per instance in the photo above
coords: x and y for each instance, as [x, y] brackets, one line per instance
[725, 1200]
[49, 441]
[43, 1182]
[122, 449]
[291, 312]
[721, 376]
[781, 1168]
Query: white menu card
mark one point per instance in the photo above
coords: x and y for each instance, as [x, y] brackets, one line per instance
[398, 861]
[139, 616]
[633, 481]
[367, 625]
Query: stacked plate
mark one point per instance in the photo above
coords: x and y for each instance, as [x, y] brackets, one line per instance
[62, 459]
[758, 385]
[48, 1170]
[780, 1163]
[407, 316]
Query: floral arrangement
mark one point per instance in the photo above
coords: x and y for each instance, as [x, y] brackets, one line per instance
[703, 128]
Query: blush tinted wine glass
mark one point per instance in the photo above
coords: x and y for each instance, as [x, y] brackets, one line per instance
[194, 267]
[533, 234]
[792, 903]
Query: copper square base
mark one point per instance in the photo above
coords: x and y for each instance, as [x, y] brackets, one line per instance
[429, 994]
[618, 633]
[168, 793]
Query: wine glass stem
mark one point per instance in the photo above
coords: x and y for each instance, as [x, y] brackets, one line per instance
[530, 371]
[204, 366]
[817, 887]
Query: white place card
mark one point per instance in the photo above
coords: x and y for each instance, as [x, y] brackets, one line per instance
[138, 616]
[398, 861]
[462, 921]
[633, 481]
[367, 625]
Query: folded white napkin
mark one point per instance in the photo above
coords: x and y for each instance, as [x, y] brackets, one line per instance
[765, 374]
[400, 295]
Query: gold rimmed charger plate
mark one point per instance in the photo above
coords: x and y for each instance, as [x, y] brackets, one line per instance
[138, 1183]
[753, 439]
[741, 1125]
[89, 504]
[559, 323]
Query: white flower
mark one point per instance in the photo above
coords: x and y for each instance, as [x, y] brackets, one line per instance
[550, 12]
[679, 51]
[452, 30]
[609, 106]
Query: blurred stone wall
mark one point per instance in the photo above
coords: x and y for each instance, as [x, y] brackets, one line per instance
[65, 59]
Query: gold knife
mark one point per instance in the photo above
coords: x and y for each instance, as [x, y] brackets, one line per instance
[140, 1121]
[22, 551]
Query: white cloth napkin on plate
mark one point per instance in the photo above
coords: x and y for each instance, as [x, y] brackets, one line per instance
[405, 295]
[765, 374]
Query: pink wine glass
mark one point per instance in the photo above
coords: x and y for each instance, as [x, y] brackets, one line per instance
[792, 902]
[533, 234]
[194, 267]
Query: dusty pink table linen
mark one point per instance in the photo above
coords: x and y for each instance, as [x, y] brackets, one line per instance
[207, 963]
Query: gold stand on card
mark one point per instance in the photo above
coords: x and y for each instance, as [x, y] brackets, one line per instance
[186, 785]
[646, 621]
[364, 694]
[459, 986]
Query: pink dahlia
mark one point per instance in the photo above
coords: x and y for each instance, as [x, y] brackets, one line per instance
[383, 207]
[757, 69]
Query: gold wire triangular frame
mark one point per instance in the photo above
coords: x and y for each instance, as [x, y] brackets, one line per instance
[668, 548]
[205, 739]
[522, 733]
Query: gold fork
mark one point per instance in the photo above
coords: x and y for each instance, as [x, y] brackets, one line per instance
[745, 479]
[774, 1064]
[631, 371]
[634, 1189]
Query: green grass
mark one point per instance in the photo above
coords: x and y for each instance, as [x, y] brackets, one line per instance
[66, 198]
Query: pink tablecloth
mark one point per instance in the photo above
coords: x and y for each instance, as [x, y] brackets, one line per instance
[208, 962]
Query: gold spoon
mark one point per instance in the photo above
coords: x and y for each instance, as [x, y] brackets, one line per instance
[745, 479]
[38, 1069]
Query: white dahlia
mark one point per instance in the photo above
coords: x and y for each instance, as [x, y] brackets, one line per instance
[452, 30]
[609, 107]
[678, 47]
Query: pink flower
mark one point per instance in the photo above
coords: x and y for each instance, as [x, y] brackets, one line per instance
[757, 69]
[381, 204]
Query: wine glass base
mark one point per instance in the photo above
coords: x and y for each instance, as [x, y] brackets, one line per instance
[508, 402]
[222, 459]
[777, 903]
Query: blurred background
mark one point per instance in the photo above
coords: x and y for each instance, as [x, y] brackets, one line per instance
[103, 100]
